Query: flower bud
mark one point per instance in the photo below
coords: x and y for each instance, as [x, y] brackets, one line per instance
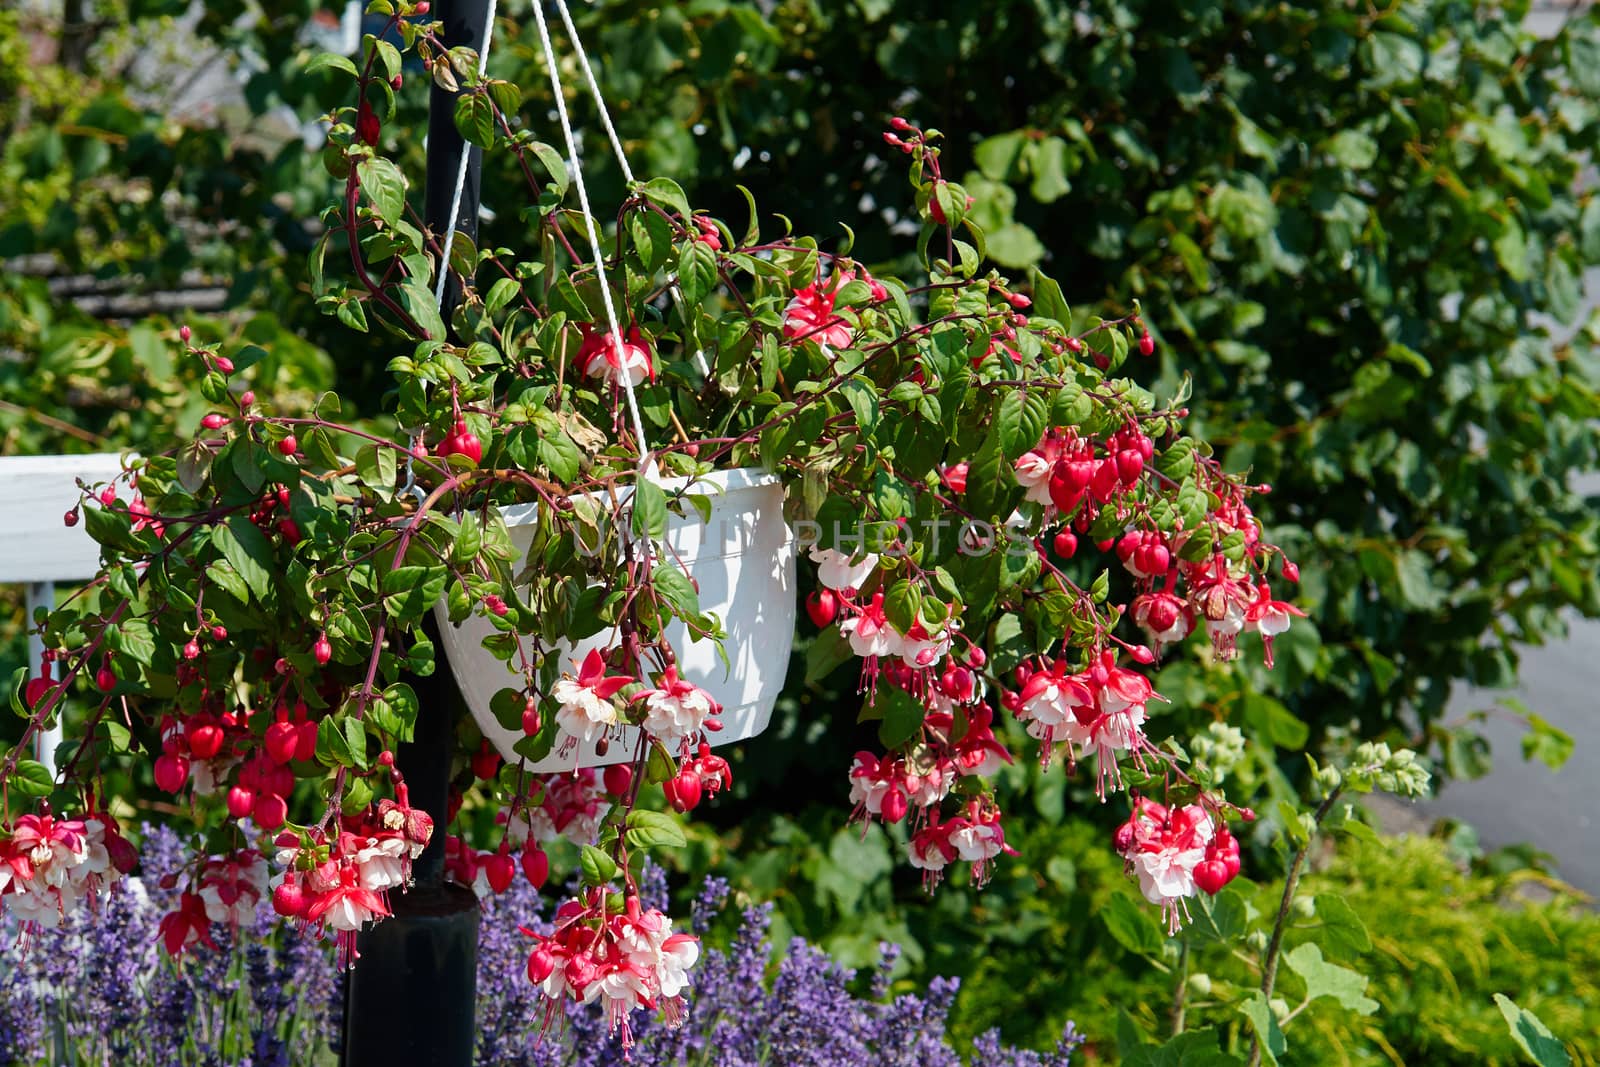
[618, 777]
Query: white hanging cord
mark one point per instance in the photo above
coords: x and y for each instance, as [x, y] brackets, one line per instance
[461, 171]
[588, 218]
[622, 159]
[449, 239]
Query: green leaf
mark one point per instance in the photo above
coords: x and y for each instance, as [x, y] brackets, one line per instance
[385, 187]
[249, 553]
[1021, 421]
[554, 164]
[674, 586]
[1546, 743]
[403, 704]
[828, 651]
[475, 118]
[652, 829]
[1221, 918]
[411, 592]
[668, 193]
[649, 513]
[1325, 979]
[19, 685]
[1342, 932]
[1048, 301]
[902, 716]
[1133, 924]
[331, 61]
[561, 454]
[1256, 1008]
[1531, 1035]
[377, 466]
[697, 271]
[598, 868]
[1191, 1048]
[33, 779]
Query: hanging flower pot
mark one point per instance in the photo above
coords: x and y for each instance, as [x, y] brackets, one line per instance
[740, 556]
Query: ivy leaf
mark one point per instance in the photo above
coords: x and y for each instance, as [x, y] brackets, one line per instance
[1531, 1035]
[1325, 979]
[249, 553]
[385, 187]
[653, 829]
[1132, 924]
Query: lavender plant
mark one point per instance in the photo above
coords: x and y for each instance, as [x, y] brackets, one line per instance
[100, 991]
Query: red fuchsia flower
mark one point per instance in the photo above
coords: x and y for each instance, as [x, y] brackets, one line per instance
[1034, 468]
[810, 317]
[1144, 553]
[709, 235]
[931, 850]
[677, 710]
[629, 962]
[142, 519]
[921, 649]
[978, 838]
[1269, 618]
[1165, 617]
[836, 571]
[571, 806]
[1223, 602]
[978, 753]
[954, 477]
[231, 886]
[345, 907]
[186, 927]
[587, 709]
[1163, 848]
[1049, 703]
[997, 343]
[869, 632]
[601, 356]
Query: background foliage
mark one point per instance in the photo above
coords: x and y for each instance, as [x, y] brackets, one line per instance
[1361, 230]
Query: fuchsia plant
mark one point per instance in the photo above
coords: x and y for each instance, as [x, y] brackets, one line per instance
[1002, 533]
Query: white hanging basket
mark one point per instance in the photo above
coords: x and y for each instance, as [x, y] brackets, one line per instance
[742, 558]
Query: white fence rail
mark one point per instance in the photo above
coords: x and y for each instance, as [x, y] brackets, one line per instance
[37, 549]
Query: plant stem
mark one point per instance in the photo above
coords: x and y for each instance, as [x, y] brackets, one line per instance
[1269, 963]
[1182, 991]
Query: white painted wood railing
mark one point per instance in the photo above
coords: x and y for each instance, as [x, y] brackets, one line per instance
[37, 549]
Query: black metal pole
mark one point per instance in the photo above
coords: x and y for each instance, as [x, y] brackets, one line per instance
[412, 996]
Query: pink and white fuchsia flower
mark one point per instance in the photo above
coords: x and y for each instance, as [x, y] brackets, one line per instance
[869, 632]
[51, 867]
[1270, 618]
[677, 710]
[569, 805]
[586, 708]
[628, 962]
[1174, 852]
[836, 571]
[231, 886]
[601, 356]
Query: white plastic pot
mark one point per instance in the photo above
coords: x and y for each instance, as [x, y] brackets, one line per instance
[743, 561]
